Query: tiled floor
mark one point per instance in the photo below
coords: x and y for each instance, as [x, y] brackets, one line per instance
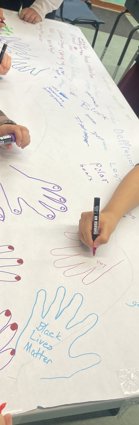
[114, 50]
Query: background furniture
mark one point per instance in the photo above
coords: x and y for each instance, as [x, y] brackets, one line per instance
[79, 12]
[132, 7]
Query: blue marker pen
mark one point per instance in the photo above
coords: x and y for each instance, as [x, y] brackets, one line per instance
[7, 139]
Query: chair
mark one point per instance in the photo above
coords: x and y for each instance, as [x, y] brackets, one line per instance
[136, 54]
[79, 12]
[132, 7]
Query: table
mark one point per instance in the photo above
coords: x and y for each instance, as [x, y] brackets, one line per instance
[73, 312]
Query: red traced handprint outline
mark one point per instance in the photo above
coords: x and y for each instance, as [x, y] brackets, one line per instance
[74, 261]
[7, 263]
[8, 330]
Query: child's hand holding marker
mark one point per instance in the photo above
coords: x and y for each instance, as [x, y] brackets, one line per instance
[10, 133]
[5, 61]
[123, 200]
[107, 224]
[6, 419]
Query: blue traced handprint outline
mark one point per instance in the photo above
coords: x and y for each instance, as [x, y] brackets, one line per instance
[85, 325]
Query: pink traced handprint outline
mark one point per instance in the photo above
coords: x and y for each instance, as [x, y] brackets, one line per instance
[8, 331]
[69, 261]
[7, 262]
[48, 193]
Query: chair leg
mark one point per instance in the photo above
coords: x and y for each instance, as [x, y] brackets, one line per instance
[112, 32]
[61, 11]
[124, 50]
[96, 33]
[130, 63]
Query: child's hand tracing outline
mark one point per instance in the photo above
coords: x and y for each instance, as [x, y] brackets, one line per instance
[51, 336]
[7, 264]
[46, 200]
[8, 330]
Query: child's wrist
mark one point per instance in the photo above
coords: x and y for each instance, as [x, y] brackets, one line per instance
[113, 215]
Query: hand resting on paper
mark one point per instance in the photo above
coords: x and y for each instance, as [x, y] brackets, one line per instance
[20, 132]
[53, 340]
[41, 196]
[30, 15]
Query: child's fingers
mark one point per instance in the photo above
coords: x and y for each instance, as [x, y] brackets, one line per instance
[85, 228]
[37, 19]
[2, 24]
[104, 235]
[6, 129]
[23, 13]
[2, 421]
[8, 419]
[5, 65]
[21, 133]
[22, 136]
[1, 14]
[9, 146]
[30, 15]
[1, 18]
[25, 137]
[7, 62]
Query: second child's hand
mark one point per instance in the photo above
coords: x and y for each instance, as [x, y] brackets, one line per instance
[2, 19]
[30, 15]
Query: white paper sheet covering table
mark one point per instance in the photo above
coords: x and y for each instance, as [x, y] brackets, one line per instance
[68, 322]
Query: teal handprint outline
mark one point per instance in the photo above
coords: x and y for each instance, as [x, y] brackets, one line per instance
[45, 336]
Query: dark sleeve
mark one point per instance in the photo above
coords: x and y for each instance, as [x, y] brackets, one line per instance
[4, 119]
[137, 59]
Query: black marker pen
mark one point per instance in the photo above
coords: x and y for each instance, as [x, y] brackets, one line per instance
[3, 50]
[95, 224]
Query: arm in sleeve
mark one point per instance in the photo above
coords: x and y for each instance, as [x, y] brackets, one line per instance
[43, 7]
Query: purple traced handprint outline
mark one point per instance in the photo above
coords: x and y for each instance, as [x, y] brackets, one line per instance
[50, 199]
[8, 331]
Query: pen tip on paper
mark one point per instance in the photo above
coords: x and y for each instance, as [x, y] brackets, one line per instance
[94, 250]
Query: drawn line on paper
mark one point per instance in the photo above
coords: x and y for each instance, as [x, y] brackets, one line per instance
[8, 331]
[49, 200]
[78, 267]
[8, 262]
[88, 272]
[49, 328]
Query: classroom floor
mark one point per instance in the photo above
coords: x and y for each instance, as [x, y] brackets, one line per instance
[114, 50]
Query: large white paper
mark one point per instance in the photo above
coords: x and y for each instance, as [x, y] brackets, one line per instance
[68, 321]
